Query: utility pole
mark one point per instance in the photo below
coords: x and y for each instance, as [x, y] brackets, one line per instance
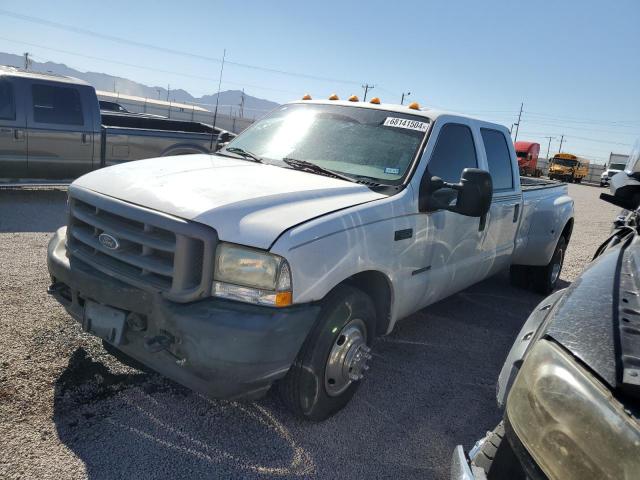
[159, 90]
[518, 124]
[215, 113]
[242, 104]
[404, 95]
[367, 87]
[27, 60]
[561, 140]
[549, 146]
[168, 90]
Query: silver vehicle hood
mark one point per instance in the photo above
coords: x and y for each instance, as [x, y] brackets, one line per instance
[247, 203]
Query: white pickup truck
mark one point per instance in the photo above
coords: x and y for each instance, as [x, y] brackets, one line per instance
[279, 259]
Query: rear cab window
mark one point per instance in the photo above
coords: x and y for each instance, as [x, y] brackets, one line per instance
[56, 105]
[498, 159]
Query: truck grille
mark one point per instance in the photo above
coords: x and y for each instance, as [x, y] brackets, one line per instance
[139, 246]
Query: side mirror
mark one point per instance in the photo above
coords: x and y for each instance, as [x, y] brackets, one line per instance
[474, 194]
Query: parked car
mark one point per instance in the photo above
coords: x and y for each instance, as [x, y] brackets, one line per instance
[612, 168]
[106, 106]
[571, 383]
[51, 128]
[281, 258]
[527, 153]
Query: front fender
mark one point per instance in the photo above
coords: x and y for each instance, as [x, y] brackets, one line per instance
[531, 331]
[183, 149]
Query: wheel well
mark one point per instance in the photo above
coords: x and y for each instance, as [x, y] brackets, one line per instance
[567, 230]
[377, 286]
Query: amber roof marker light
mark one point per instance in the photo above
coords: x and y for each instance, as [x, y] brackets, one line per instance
[334, 96]
[375, 101]
[354, 98]
[414, 106]
[306, 96]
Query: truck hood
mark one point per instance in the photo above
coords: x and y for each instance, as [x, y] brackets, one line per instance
[247, 203]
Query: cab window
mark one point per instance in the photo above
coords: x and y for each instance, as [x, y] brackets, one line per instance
[7, 101]
[498, 158]
[59, 105]
[454, 151]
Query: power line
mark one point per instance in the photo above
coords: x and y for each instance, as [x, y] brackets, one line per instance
[141, 67]
[578, 120]
[129, 43]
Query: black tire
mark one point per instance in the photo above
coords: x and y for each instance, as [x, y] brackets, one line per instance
[601, 184]
[304, 390]
[519, 276]
[578, 180]
[544, 279]
[496, 457]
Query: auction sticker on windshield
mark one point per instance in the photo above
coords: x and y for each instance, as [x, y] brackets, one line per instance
[405, 123]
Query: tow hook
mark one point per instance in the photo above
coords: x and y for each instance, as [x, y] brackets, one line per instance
[158, 343]
[55, 288]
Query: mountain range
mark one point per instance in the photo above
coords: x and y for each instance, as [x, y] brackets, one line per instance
[253, 106]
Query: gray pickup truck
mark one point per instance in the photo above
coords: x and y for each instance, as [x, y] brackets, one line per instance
[51, 128]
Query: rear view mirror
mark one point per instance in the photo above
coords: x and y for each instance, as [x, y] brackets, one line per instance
[474, 194]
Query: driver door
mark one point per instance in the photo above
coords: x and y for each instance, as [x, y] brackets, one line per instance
[451, 243]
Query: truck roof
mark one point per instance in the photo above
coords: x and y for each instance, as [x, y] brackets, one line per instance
[8, 71]
[428, 113]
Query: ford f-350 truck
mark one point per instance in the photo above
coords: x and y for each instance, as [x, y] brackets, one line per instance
[51, 128]
[280, 259]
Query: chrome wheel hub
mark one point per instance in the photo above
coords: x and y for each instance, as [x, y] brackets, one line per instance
[348, 358]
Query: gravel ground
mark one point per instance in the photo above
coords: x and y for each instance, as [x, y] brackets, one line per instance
[69, 410]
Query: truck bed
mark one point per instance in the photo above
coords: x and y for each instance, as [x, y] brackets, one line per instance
[528, 183]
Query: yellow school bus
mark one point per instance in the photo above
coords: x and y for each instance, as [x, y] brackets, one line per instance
[568, 168]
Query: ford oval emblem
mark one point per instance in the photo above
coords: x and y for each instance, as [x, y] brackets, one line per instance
[108, 241]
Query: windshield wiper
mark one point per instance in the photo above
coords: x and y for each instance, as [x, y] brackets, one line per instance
[314, 168]
[245, 154]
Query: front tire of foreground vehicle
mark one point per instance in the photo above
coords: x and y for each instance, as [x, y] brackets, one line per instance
[496, 457]
[333, 358]
[544, 279]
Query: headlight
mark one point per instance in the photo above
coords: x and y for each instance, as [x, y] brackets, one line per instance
[251, 275]
[570, 423]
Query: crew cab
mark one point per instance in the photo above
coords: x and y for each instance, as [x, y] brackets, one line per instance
[51, 128]
[280, 259]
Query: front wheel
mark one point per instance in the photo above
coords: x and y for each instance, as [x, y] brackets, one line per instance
[333, 359]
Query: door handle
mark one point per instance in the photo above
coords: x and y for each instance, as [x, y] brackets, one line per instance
[18, 134]
[85, 138]
[516, 212]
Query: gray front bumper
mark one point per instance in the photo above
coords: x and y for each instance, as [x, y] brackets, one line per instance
[221, 348]
[461, 469]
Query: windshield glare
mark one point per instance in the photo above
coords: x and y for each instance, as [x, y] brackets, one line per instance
[354, 141]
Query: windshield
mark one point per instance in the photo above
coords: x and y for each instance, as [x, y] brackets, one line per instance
[617, 166]
[353, 141]
[565, 162]
[521, 154]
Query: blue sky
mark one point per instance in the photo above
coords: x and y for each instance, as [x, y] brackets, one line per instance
[574, 64]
